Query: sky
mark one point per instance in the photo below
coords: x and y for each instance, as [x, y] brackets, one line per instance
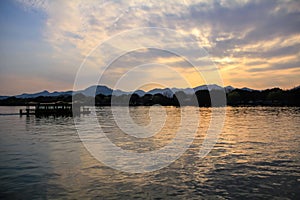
[61, 45]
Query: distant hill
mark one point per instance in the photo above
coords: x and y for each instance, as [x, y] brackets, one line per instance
[44, 93]
[199, 96]
[229, 88]
[296, 88]
[3, 97]
[94, 90]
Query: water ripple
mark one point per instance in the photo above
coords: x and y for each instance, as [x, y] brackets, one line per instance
[256, 157]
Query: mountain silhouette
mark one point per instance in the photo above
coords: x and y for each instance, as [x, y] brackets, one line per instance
[94, 90]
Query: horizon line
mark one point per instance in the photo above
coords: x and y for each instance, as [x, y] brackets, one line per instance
[180, 88]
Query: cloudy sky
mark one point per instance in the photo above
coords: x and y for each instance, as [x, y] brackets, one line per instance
[252, 44]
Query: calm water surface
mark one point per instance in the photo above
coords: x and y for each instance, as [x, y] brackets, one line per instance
[257, 156]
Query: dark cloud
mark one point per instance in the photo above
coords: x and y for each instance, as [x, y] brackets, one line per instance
[277, 66]
[281, 51]
[255, 63]
[252, 23]
[274, 52]
[73, 35]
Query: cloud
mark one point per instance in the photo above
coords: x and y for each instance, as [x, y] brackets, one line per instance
[224, 25]
[277, 66]
[241, 36]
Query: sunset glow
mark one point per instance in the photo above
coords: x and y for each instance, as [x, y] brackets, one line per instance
[253, 43]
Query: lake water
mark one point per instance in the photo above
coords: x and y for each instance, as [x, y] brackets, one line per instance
[257, 156]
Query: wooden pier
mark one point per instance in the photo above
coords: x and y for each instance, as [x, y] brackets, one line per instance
[57, 108]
